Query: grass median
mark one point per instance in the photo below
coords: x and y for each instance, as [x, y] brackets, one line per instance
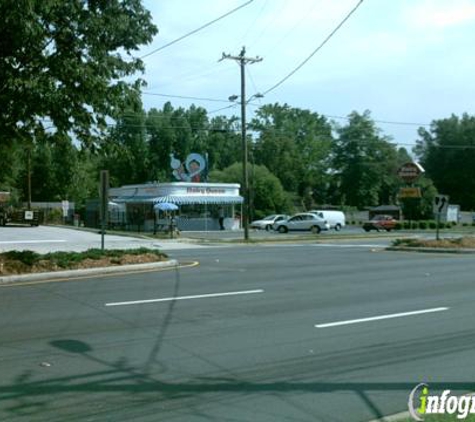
[28, 262]
[467, 242]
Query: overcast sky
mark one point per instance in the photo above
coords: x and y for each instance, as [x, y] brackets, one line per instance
[408, 61]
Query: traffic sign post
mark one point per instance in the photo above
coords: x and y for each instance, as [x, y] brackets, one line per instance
[440, 205]
[104, 191]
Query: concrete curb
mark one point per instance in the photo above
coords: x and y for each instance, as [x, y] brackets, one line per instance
[87, 272]
[430, 250]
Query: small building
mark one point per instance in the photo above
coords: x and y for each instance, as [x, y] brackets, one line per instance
[200, 205]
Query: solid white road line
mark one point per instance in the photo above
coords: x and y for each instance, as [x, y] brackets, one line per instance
[10, 242]
[169, 299]
[378, 318]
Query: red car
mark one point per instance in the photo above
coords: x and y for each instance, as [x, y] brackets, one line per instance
[380, 222]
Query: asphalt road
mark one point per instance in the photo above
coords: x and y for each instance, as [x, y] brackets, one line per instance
[249, 337]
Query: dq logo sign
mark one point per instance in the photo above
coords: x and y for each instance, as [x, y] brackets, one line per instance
[191, 170]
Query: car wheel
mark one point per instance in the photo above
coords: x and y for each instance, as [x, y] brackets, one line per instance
[315, 229]
[388, 230]
[282, 229]
[338, 227]
[367, 229]
[268, 227]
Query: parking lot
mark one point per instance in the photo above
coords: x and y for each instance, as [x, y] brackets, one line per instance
[44, 239]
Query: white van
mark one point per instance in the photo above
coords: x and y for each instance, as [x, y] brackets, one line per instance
[336, 219]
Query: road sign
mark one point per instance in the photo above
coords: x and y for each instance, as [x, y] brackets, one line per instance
[410, 172]
[410, 193]
[440, 205]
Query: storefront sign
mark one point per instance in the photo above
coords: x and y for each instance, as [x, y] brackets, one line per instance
[205, 191]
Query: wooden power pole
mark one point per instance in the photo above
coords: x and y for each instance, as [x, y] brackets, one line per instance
[243, 60]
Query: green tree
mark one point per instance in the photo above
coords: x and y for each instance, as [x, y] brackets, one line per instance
[64, 63]
[420, 208]
[125, 153]
[447, 153]
[267, 195]
[365, 163]
[294, 144]
[11, 165]
[223, 142]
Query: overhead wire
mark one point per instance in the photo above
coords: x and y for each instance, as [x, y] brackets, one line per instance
[196, 30]
[187, 97]
[307, 13]
[251, 25]
[316, 50]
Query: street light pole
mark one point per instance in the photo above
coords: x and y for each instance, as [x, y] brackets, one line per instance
[243, 60]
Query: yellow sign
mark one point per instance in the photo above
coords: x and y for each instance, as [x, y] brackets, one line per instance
[410, 193]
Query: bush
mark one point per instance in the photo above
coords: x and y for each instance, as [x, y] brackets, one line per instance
[26, 257]
[414, 225]
[407, 225]
[398, 226]
[405, 242]
[423, 225]
[432, 225]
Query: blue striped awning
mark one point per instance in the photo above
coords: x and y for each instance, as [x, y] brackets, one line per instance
[205, 199]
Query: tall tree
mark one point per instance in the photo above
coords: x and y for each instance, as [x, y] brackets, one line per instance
[125, 152]
[63, 64]
[266, 192]
[223, 142]
[447, 153]
[365, 163]
[294, 144]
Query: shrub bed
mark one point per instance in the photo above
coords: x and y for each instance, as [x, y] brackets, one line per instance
[20, 262]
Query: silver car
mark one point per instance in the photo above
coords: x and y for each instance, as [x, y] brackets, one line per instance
[267, 222]
[305, 221]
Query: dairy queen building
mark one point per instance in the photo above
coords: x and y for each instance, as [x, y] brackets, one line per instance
[193, 206]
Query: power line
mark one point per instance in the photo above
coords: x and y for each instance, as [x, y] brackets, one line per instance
[196, 30]
[387, 122]
[186, 97]
[223, 108]
[316, 50]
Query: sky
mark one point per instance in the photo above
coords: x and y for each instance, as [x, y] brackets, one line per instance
[406, 61]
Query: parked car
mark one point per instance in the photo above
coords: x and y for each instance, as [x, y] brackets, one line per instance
[267, 222]
[380, 222]
[302, 222]
[336, 219]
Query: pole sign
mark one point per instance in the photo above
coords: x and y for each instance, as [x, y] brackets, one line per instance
[410, 193]
[410, 172]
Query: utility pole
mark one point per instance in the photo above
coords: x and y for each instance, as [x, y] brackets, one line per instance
[243, 60]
